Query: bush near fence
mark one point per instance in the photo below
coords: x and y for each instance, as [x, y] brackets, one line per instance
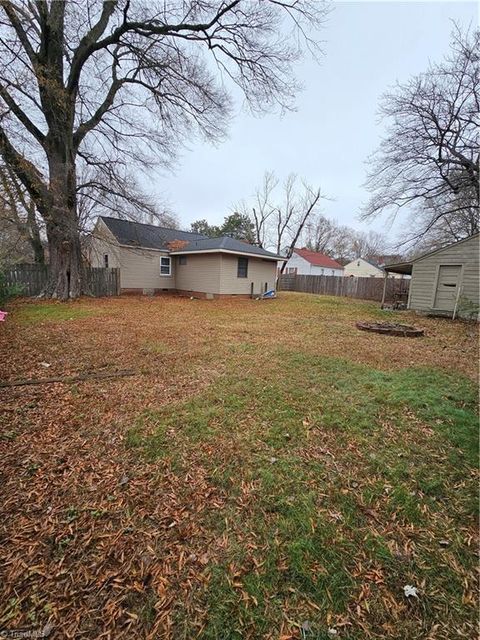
[363, 288]
[31, 279]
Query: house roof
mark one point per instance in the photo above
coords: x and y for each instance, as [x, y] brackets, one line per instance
[318, 259]
[225, 244]
[148, 236]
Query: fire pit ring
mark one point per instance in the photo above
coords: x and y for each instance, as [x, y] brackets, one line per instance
[391, 329]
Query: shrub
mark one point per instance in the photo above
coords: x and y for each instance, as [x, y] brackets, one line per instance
[467, 308]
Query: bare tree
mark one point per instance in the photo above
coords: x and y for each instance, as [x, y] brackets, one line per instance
[321, 234]
[280, 219]
[367, 245]
[342, 242]
[95, 83]
[298, 210]
[108, 191]
[19, 216]
[262, 209]
[429, 159]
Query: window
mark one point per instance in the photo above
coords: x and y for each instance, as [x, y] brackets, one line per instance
[242, 268]
[165, 266]
[182, 260]
[105, 260]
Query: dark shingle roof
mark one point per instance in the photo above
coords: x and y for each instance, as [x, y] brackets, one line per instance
[136, 234]
[225, 243]
[149, 236]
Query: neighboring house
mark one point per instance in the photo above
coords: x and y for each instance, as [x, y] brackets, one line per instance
[312, 263]
[445, 281]
[361, 268]
[155, 259]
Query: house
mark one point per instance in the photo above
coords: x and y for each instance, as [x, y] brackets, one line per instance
[156, 259]
[361, 268]
[306, 262]
[445, 281]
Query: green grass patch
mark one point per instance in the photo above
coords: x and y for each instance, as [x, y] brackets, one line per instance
[330, 448]
[51, 312]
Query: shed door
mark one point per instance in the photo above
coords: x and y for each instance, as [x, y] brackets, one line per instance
[447, 287]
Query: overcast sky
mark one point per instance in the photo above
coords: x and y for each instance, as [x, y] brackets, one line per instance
[368, 46]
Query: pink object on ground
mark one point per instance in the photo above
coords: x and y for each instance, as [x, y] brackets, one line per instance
[3, 315]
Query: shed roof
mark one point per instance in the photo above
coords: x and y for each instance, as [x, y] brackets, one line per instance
[318, 259]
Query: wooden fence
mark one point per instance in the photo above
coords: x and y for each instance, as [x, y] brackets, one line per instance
[364, 288]
[31, 279]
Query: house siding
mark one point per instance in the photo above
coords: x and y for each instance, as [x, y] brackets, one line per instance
[367, 270]
[362, 269]
[140, 270]
[425, 273]
[103, 243]
[259, 272]
[305, 268]
[200, 274]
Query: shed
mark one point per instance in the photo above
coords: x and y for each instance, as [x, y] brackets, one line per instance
[445, 281]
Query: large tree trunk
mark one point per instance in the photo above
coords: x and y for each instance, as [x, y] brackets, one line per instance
[66, 272]
[65, 279]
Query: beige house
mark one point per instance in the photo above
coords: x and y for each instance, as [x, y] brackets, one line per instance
[155, 259]
[445, 281]
[361, 268]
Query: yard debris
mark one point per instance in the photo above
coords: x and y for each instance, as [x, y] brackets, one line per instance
[69, 379]
[123, 480]
[332, 632]
[444, 543]
[306, 628]
[410, 591]
[131, 505]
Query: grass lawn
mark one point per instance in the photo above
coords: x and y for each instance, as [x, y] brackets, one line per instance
[269, 472]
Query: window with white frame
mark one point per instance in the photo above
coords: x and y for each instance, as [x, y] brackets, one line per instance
[165, 266]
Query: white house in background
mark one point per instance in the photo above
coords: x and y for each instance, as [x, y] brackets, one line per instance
[361, 268]
[312, 263]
